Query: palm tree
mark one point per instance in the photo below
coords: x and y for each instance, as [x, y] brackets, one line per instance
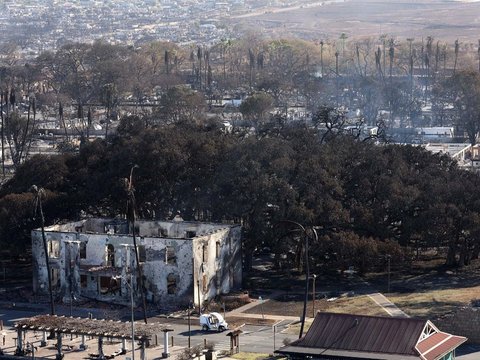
[3, 133]
[457, 46]
[321, 56]
[343, 37]
[383, 38]
[391, 53]
[478, 55]
[38, 194]
[131, 216]
[167, 61]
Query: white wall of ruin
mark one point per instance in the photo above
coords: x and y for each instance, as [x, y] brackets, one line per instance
[219, 273]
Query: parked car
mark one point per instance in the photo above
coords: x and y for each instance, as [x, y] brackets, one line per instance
[213, 321]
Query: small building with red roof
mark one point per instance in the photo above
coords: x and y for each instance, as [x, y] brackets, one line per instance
[347, 337]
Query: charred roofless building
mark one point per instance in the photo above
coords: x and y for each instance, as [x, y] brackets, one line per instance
[182, 261]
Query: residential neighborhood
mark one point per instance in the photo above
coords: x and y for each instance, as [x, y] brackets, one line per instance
[239, 179]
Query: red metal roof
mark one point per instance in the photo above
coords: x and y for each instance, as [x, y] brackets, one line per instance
[363, 333]
[372, 337]
[442, 346]
[431, 341]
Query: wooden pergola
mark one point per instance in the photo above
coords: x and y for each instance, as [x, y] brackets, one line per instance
[83, 327]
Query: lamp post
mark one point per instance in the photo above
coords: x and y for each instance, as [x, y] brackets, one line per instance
[314, 277]
[133, 316]
[130, 287]
[198, 295]
[189, 327]
[388, 271]
[307, 268]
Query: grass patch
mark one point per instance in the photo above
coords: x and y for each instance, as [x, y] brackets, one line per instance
[433, 303]
[361, 305]
[235, 321]
[294, 328]
[250, 356]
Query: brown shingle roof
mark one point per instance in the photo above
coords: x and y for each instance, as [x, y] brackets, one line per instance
[363, 333]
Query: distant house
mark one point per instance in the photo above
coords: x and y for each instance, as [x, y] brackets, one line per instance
[181, 261]
[348, 337]
[457, 151]
[430, 133]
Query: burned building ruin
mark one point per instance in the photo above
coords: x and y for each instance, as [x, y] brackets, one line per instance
[182, 262]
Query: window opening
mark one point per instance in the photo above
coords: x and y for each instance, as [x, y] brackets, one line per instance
[170, 256]
[83, 281]
[171, 284]
[142, 253]
[162, 232]
[204, 253]
[104, 284]
[204, 283]
[110, 255]
[55, 277]
[54, 248]
[83, 250]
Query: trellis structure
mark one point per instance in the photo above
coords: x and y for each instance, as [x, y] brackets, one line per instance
[60, 325]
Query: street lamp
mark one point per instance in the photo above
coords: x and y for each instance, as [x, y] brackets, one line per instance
[314, 277]
[132, 314]
[190, 307]
[198, 295]
[388, 271]
[307, 267]
[130, 287]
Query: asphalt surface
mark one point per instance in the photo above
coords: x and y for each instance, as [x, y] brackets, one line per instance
[258, 339]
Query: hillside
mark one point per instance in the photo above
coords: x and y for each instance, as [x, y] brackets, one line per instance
[442, 19]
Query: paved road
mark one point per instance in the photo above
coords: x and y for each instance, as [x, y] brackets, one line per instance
[468, 352]
[259, 339]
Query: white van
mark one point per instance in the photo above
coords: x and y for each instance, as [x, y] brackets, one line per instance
[213, 321]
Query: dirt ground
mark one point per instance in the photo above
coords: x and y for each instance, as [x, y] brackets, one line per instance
[370, 18]
[355, 304]
[423, 289]
[429, 290]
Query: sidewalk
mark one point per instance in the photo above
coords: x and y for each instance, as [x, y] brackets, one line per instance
[380, 299]
[389, 307]
[242, 311]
